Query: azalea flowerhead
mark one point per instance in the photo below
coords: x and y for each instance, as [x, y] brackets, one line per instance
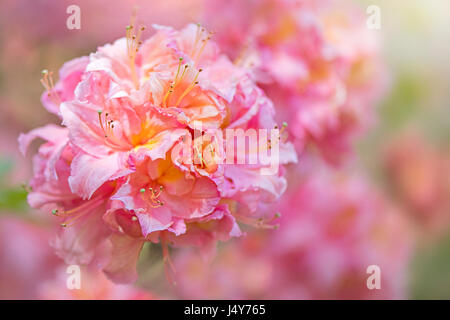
[116, 172]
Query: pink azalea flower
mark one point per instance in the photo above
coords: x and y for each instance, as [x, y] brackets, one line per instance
[333, 227]
[116, 172]
[316, 60]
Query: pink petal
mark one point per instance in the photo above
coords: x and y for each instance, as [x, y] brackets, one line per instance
[156, 220]
[124, 257]
[88, 173]
[85, 132]
[51, 133]
[79, 244]
[200, 201]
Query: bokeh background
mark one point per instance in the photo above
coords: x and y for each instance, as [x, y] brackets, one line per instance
[405, 154]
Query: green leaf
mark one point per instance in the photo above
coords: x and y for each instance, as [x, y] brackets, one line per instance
[13, 199]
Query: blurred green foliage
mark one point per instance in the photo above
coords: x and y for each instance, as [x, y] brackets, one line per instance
[403, 103]
[5, 167]
[430, 274]
[11, 198]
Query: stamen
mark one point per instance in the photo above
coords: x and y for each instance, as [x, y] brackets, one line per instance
[152, 198]
[77, 212]
[100, 121]
[156, 193]
[204, 42]
[171, 87]
[198, 34]
[47, 82]
[175, 82]
[196, 52]
[184, 72]
[281, 132]
[200, 156]
[283, 127]
[72, 221]
[180, 60]
[189, 88]
[107, 126]
[133, 43]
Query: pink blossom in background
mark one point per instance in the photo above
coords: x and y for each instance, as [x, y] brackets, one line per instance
[416, 173]
[30, 269]
[317, 61]
[111, 174]
[94, 285]
[45, 20]
[26, 258]
[333, 226]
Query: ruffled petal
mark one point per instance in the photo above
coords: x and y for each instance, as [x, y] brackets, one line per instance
[124, 256]
[88, 173]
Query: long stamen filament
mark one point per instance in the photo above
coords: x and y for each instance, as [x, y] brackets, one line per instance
[200, 156]
[73, 211]
[77, 212]
[198, 34]
[283, 128]
[182, 74]
[204, 41]
[133, 43]
[189, 88]
[107, 126]
[175, 82]
[72, 221]
[100, 120]
[180, 60]
[152, 199]
[47, 82]
[171, 87]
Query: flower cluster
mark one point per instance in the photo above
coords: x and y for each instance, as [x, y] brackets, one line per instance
[139, 156]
